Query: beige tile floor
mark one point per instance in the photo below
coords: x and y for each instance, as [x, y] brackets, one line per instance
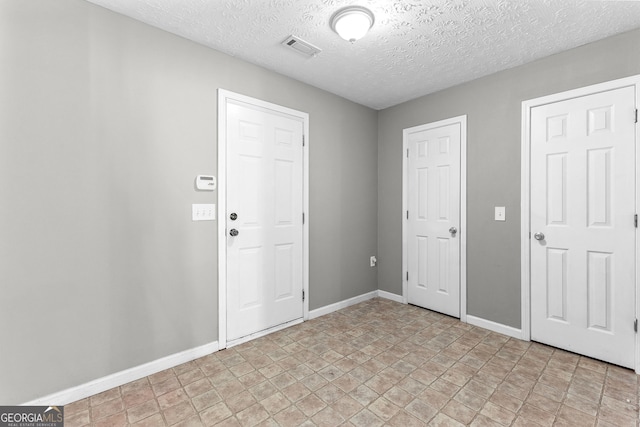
[375, 363]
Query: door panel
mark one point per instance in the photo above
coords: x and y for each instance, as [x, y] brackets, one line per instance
[583, 202]
[265, 190]
[433, 253]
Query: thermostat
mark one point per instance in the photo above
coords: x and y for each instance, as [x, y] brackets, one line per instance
[206, 182]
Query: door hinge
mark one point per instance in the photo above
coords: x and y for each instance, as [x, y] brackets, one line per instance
[635, 220]
[407, 276]
[303, 217]
[303, 295]
[636, 115]
[407, 153]
[303, 140]
[407, 214]
[635, 325]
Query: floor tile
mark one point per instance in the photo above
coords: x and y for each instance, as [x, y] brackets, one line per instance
[372, 364]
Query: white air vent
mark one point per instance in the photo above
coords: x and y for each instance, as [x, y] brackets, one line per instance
[301, 46]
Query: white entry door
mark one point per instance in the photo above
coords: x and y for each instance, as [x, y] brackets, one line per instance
[433, 216]
[264, 210]
[582, 225]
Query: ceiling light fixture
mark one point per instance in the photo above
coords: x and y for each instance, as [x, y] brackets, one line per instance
[352, 22]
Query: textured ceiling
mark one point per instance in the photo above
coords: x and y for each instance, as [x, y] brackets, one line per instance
[415, 47]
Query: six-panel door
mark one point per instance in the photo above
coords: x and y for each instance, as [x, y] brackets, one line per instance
[433, 247]
[582, 225]
[265, 191]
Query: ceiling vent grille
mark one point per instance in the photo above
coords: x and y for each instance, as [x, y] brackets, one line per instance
[301, 46]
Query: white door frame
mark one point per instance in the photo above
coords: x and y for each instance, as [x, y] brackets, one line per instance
[462, 232]
[525, 207]
[225, 97]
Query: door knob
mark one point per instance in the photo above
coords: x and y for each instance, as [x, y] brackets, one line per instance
[234, 232]
[453, 231]
[233, 216]
[538, 236]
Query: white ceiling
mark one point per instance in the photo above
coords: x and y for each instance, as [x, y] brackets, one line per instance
[415, 47]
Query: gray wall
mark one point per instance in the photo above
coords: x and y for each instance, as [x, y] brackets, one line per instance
[493, 108]
[104, 124]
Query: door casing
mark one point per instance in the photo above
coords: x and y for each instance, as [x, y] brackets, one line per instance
[462, 232]
[225, 97]
[525, 206]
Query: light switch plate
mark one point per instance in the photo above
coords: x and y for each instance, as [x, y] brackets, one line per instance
[203, 212]
[500, 213]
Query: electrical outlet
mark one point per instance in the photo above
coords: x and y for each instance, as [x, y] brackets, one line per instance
[372, 261]
[500, 213]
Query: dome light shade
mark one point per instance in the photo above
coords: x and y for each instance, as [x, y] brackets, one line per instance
[352, 23]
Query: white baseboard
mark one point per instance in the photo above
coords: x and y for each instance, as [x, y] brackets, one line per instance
[495, 327]
[389, 295]
[119, 378]
[342, 304]
[472, 320]
[123, 377]
[99, 385]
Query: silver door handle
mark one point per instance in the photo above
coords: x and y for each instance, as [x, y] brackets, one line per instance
[538, 236]
[453, 231]
[234, 232]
